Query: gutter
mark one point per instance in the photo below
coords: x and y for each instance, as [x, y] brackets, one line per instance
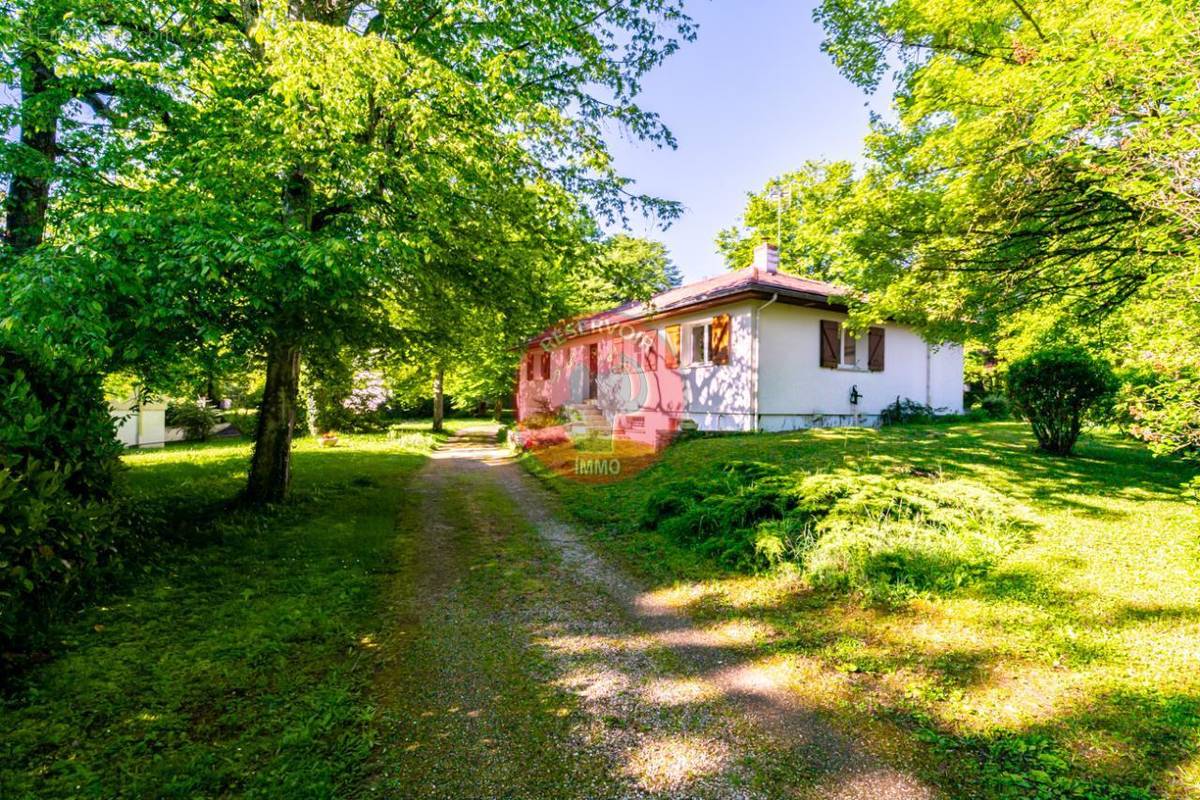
[757, 315]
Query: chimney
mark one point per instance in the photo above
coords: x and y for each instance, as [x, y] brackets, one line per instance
[766, 258]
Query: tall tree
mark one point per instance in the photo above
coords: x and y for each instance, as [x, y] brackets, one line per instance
[1040, 174]
[627, 268]
[327, 153]
[794, 212]
[982, 197]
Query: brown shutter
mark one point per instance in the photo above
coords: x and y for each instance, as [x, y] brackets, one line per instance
[829, 343]
[671, 356]
[718, 345]
[546, 365]
[875, 350]
[529, 367]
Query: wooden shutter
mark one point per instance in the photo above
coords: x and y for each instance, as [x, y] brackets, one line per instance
[718, 343]
[529, 367]
[829, 343]
[671, 356]
[875, 350]
[545, 365]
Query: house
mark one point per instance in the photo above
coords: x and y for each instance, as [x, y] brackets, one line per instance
[750, 350]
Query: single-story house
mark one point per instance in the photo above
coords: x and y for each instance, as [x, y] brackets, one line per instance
[750, 350]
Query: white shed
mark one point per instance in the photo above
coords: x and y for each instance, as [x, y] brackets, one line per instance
[142, 425]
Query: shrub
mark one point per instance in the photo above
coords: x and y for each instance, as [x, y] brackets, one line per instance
[903, 412]
[1057, 389]
[885, 537]
[875, 535]
[995, 406]
[718, 516]
[197, 418]
[1163, 410]
[58, 464]
[545, 417]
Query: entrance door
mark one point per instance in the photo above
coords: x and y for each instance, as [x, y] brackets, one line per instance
[593, 367]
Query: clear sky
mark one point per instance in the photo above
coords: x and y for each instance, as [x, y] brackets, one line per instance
[752, 97]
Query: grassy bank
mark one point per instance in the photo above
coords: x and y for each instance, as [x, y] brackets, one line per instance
[1067, 664]
[239, 665]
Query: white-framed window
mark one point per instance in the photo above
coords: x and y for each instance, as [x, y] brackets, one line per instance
[849, 348]
[700, 337]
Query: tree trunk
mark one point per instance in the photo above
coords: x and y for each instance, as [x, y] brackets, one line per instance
[29, 192]
[438, 398]
[271, 466]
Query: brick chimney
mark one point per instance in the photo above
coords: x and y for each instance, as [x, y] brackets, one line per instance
[766, 258]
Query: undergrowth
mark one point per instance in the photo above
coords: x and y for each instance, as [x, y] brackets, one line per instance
[879, 535]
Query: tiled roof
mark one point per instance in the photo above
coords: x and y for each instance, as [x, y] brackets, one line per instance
[682, 297]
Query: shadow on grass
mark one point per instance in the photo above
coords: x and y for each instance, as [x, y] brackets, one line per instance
[1030, 632]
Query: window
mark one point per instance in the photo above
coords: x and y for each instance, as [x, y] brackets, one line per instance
[545, 365]
[849, 349]
[839, 348]
[529, 367]
[700, 338]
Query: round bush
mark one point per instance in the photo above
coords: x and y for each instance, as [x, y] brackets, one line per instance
[58, 461]
[1058, 388]
[196, 418]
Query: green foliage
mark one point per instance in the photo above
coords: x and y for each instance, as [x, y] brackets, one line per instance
[59, 523]
[906, 411]
[790, 212]
[244, 660]
[1163, 409]
[873, 535]
[718, 515]
[319, 176]
[1086, 601]
[995, 406]
[1029, 766]
[628, 268]
[982, 212]
[1057, 389]
[196, 417]
[885, 538]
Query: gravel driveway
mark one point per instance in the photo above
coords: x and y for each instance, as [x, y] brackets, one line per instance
[522, 664]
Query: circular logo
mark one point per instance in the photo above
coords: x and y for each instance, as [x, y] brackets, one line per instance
[601, 405]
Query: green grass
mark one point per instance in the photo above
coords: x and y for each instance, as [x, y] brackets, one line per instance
[1071, 668]
[237, 665]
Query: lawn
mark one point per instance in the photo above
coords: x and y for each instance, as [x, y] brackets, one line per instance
[239, 664]
[1071, 669]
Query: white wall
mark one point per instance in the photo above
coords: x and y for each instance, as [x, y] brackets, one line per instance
[796, 391]
[144, 427]
[717, 396]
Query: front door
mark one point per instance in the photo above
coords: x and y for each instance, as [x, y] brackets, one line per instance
[593, 367]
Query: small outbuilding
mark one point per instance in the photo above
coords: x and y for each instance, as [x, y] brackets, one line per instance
[140, 425]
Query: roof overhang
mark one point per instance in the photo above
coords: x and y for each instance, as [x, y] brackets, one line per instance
[572, 330]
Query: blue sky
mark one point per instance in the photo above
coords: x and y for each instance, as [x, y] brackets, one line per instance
[752, 97]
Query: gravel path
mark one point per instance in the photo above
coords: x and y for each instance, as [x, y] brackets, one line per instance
[643, 702]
